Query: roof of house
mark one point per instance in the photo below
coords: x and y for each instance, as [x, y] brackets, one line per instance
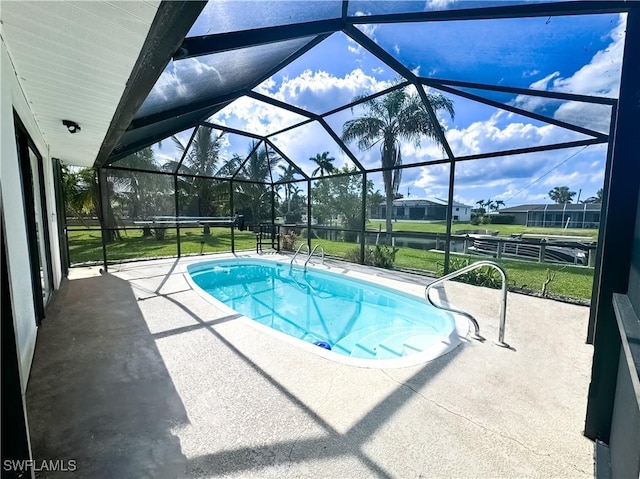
[552, 207]
[417, 202]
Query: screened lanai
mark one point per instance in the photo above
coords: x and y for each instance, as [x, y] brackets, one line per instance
[291, 113]
[412, 135]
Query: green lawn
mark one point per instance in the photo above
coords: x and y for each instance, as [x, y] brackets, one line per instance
[86, 246]
[506, 230]
[570, 281]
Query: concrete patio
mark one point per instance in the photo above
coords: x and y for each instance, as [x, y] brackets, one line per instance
[136, 375]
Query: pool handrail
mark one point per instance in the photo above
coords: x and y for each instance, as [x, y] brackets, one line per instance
[311, 254]
[297, 253]
[503, 302]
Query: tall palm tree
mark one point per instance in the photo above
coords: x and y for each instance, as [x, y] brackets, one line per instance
[562, 195]
[324, 162]
[257, 170]
[398, 116]
[200, 195]
[499, 203]
[488, 204]
[287, 173]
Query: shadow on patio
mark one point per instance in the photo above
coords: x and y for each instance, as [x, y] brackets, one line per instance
[99, 392]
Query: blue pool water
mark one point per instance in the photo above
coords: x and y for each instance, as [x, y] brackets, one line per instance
[354, 318]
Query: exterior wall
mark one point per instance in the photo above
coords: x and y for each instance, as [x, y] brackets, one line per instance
[463, 213]
[519, 218]
[12, 98]
[556, 218]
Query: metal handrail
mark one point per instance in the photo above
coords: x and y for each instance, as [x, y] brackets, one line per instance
[298, 252]
[503, 303]
[311, 254]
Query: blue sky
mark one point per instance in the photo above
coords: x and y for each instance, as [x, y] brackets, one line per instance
[569, 54]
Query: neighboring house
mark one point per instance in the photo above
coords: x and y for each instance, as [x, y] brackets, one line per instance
[429, 209]
[581, 215]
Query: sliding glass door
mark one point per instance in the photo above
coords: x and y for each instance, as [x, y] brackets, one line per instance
[33, 192]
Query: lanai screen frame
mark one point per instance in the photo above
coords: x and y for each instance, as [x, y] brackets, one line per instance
[196, 115]
[620, 190]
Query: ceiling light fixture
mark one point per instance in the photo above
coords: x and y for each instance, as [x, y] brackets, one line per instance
[72, 126]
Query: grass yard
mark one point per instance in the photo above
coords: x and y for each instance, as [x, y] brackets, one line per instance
[570, 281]
[506, 230]
[86, 246]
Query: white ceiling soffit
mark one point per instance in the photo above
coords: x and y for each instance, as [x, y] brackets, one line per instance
[73, 60]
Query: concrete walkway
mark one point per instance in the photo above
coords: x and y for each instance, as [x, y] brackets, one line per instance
[135, 375]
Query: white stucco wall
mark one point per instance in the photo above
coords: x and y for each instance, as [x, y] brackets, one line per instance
[12, 98]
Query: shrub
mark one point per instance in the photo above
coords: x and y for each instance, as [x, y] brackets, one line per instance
[486, 220]
[384, 257]
[289, 240]
[380, 256]
[503, 220]
[476, 220]
[353, 255]
[484, 276]
[159, 233]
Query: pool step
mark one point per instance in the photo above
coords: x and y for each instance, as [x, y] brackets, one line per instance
[390, 343]
[370, 334]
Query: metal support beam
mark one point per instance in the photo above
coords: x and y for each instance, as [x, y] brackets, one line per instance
[555, 9]
[309, 214]
[232, 209]
[557, 95]
[177, 212]
[619, 208]
[172, 22]
[591, 328]
[363, 229]
[101, 191]
[224, 42]
[520, 111]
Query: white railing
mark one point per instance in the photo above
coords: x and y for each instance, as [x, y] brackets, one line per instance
[503, 303]
[298, 252]
[311, 254]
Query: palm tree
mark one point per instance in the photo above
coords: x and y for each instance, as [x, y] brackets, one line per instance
[595, 199]
[398, 116]
[489, 204]
[499, 203]
[561, 195]
[257, 170]
[287, 173]
[201, 160]
[324, 162]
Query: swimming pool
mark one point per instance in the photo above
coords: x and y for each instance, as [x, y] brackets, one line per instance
[338, 314]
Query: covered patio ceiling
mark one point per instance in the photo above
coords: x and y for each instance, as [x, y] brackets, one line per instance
[237, 55]
[73, 60]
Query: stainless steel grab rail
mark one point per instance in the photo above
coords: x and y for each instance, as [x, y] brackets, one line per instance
[298, 252]
[503, 303]
[311, 254]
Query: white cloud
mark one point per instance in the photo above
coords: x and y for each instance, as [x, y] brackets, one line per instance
[255, 117]
[437, 4]
[600, 77]
[320, 91]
